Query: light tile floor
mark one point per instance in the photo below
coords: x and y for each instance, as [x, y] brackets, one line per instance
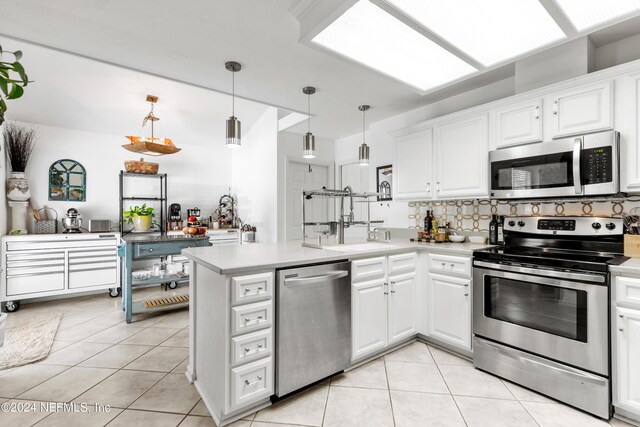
[138, 369]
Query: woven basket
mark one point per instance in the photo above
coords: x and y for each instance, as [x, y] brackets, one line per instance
[140, 166]
[47, 226]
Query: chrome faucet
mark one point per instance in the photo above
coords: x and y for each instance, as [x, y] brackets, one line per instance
[350, 218]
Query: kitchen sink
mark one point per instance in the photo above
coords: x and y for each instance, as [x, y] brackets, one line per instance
[372, 246]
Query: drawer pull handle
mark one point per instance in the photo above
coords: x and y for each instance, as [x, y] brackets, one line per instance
[257, 319]
[248, 383]
[452, 265]
[393, 292]
[258, 348]
[150, 249]
[258, 290]
[466, 285]
[466, 295]
[443, 264]
[621, 316]
[621, 329]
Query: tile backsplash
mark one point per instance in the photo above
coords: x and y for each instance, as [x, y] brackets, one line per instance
[474, 215]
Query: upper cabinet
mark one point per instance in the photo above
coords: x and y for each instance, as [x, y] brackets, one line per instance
[461, 154]
[519, 123]
[412, 170]
[583, 109]
[630, 135]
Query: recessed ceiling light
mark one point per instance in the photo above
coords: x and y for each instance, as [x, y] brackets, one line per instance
[490, 31]
[588, 13]
[367, 34]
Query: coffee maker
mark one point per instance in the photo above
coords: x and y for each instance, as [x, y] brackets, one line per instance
[72, 222]
[191, 214]
[175, 217]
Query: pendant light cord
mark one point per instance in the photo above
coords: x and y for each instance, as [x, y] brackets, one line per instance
[363, 125]
[308, 113]
[233, 94]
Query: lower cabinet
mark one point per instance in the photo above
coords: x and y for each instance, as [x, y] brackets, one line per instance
[401, 307]
[628, 355]
[368, 317]
[383, 310]
[449, 310]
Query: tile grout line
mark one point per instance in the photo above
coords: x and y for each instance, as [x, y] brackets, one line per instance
[386, 375]
[326, 403]
[447, 384]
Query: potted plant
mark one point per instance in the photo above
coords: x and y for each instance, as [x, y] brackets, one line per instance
[12, 79]
[19, 142]
[140, 216]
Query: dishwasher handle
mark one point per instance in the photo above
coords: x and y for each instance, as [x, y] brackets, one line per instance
[296, 281]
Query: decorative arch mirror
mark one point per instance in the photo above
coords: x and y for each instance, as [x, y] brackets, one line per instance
[67, 181]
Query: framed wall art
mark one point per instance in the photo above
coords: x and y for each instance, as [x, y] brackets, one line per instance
[384, 181]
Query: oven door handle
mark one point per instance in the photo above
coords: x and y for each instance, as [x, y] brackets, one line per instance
[591, 278]
[577, 179]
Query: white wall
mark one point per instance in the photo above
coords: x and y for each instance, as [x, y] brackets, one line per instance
[255, 178]
[395, 213]
[197, 175]
[290, 149]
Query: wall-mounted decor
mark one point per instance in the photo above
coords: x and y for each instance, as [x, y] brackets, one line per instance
[384, 175]
[67, 181]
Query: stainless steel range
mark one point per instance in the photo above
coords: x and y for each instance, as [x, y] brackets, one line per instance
[541, 307]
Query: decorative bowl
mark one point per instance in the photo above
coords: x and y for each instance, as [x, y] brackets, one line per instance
[457, 239]
[478, 240]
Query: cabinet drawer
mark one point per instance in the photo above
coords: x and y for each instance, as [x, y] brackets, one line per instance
[250, 347]
[403, 263]
[93, 277]
[450, 264]
[368, 269]
[35, 283]
[61, 242]
[251, 288]
[628, 291]
[251, 317]
[147, 250]
[251, 382]
[18, 258]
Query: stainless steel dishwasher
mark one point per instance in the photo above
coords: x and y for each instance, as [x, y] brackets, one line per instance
[313, 324]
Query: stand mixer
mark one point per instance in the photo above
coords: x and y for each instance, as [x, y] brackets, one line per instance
[72, 222]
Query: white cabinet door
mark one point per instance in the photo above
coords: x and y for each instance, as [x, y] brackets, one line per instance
[412, 160]
[519, 124]
[630, 140]
[461, 158]
[449, 310]
[368, 318]
[628, 355]
[584, 109]
[402, 310]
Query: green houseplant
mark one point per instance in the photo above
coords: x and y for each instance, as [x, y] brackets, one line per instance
[140, 216]
[13, 79]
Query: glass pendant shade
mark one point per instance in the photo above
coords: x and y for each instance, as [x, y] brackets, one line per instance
[309, 146]
[233, 132]
[363, 155]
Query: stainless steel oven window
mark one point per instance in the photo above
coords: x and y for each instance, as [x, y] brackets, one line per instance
[551, 309]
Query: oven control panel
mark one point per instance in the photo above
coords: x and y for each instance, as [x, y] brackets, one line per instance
[557, 224]
[578, 226]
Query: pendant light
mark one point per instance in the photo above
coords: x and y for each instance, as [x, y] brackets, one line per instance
[151, 145]
[309, 141]
[234, 137]
[363, 150]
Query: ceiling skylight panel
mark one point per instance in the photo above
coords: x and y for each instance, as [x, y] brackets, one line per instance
[369, 35]
[588, 13]
[489, 31]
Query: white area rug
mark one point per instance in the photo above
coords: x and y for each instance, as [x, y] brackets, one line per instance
[28, 339]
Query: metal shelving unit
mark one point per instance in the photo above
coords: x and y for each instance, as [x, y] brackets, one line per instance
[162, 199]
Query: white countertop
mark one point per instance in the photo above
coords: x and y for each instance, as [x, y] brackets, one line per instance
[265, 256]
[632, 265]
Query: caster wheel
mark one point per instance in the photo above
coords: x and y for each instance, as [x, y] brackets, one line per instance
[12, 306]
[173, 285]
[114, 292]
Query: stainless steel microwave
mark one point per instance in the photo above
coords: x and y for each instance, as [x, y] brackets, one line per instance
[582, 165]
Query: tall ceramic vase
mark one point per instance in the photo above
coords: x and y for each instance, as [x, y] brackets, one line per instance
[18, 187]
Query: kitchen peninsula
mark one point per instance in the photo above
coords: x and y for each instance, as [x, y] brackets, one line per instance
[232, 344]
